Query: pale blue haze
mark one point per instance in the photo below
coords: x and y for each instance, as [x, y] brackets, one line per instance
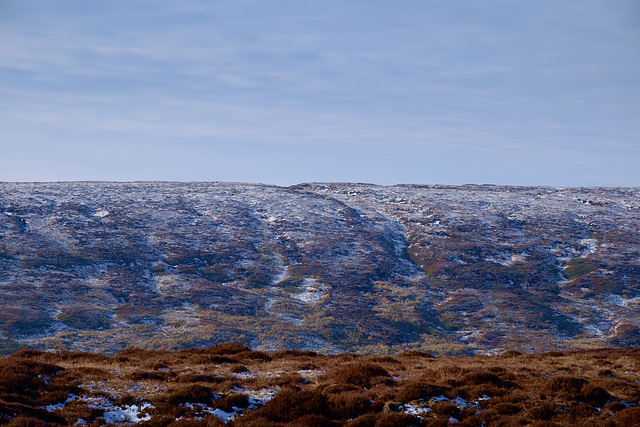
[283, 92]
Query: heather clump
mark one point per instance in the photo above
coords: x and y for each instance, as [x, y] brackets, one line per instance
[421, 390]
[359, 374]
[291, 388]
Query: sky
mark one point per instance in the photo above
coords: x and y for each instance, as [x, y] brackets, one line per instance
[290, 91]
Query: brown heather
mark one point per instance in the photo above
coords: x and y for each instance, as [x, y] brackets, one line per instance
[590, 387]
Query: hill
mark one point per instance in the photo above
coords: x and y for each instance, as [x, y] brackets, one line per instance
[97, 266]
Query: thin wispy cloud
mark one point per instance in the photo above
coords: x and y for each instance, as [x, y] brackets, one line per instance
[435, 91]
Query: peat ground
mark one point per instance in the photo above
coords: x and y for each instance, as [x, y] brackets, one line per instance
[233, 385]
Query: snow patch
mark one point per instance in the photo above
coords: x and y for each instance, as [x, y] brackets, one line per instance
[507, 258]
[590, 247]
[101, 213]
[285, 317]
[130, 414]
[412, 409]
[312, 291]
[310, 373]
[587, 247]
[225, 417]
[260, 397]
[57, 406]
[244, 375]
[256, 399]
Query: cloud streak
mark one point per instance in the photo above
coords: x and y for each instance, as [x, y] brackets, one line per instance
[431, 85]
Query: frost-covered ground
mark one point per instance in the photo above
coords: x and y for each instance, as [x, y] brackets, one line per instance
[330, 267]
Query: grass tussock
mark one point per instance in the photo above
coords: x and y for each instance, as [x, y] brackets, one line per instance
[300, 388]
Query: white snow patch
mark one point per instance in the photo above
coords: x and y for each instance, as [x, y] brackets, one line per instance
[620, 301]
[101, 213]
[415, 410]
[310, 373]
[256, 399]
[312, 292]
[590, 246]
[517, 258]
[507, 259]
[244, 375]
[225, 417]
[260, 397]
[130, 414]
[283, 273]
[57, 406]
[285, 317]
[596, 329]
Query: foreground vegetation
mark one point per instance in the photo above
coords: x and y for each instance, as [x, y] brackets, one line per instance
[230, 384]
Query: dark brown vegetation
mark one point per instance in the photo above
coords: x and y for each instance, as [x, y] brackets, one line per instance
[232, 384]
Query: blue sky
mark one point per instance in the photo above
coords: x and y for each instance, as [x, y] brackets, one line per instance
[283, 92]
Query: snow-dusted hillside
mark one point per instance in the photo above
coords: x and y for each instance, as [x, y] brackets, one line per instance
[329, 267]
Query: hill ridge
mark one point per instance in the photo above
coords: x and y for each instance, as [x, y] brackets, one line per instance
[327, 267]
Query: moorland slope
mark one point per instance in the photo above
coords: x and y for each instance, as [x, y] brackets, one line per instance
[97, 266]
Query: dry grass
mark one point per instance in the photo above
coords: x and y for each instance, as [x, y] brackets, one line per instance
[595, 387]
